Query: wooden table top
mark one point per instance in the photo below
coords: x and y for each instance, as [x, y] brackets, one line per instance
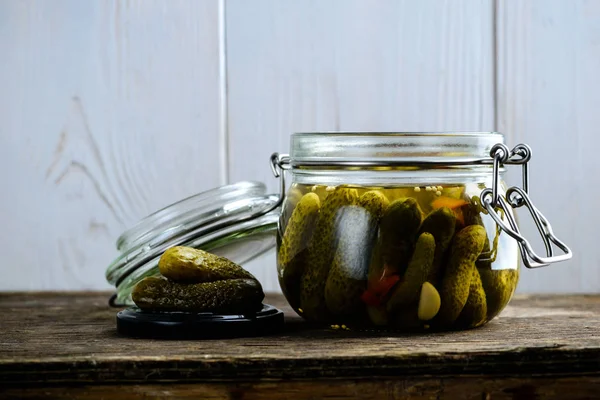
[53, 341]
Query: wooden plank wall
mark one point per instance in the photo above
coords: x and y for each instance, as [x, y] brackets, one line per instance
[112, 109]
[109, 110]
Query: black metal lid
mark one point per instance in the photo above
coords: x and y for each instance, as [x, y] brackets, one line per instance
[184, 325]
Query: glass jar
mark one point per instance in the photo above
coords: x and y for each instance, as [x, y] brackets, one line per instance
[404, 231]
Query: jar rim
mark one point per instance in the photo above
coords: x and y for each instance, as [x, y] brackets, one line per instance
[346, 148]
[403, 134]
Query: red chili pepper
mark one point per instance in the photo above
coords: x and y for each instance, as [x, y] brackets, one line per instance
[386, 284]
[370, 299]
[376, 294]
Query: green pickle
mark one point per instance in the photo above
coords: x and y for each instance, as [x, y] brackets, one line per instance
[188, 265]
[399, 226]
[321, 250]
[406, 258]
[499, 286]
[357, 230]
[292, 251]
[347, 278]
[197, 281]
[441, 223]
[375, 203]
[232, 295]
[417, 273]
[464, 251]
[474, 312]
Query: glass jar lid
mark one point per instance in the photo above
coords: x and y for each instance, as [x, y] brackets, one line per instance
[237, 221]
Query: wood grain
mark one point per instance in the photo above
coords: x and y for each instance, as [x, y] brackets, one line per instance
[60, 339]
[351, 65]
[462, 388]
[549, 97]
[109, 110]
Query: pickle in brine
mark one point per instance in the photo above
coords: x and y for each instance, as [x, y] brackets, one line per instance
[474, 312]
[417, 273]
[464, 250]
[441, 224]
[321, 250]
[357, 230]
[294, 243]
[398, 233]
[499, 286]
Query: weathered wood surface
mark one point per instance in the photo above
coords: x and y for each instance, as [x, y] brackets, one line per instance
[463, 388]
[71, 338]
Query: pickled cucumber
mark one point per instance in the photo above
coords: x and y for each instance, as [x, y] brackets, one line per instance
[321, 251]
[188, 265]
[472, 211]
[292, 251]
[375, 203]
[227, 296]
[398, 229]
[441, 224]
[417, 273]
[347, 279]
[475, 311]
[293, 195]
[499, 286]
[464, 250]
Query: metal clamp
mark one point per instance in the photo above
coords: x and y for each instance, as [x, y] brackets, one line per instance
[279, 164]
[517, 197]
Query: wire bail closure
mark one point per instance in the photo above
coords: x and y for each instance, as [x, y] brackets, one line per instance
[279, 164]
[517, 197]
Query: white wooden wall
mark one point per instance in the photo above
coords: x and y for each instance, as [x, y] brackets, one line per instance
[112, 109]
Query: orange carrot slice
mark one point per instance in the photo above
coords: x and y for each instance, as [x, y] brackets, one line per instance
[448, 202]
[460, 217]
